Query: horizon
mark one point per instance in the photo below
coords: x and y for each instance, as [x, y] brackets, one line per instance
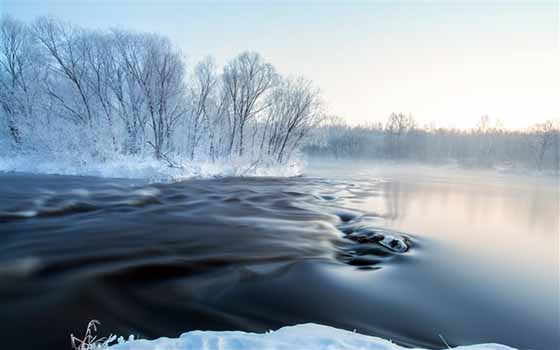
[446, 64]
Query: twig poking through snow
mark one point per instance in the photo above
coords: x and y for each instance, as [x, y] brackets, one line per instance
[441, 337]
[164, 156]
[90, 340]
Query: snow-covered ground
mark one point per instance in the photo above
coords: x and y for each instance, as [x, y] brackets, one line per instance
[300, 337]
[131, 167]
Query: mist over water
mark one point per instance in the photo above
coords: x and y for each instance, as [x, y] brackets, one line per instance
[405, 253]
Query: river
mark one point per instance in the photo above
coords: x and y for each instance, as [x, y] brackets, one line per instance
[407, 253]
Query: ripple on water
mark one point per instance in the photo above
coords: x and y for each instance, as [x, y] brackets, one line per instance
[75, 201]
[187, 249]
[372, 244]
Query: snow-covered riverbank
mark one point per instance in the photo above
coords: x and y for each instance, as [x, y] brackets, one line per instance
[147, 168]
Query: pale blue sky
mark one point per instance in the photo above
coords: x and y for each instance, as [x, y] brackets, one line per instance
[443, 61]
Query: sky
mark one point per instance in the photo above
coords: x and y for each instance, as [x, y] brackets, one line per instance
[446, 63]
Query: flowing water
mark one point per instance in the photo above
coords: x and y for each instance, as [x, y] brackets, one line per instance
[403, 253]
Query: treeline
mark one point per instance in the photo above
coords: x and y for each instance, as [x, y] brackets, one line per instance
[400, 138]
[70, 91]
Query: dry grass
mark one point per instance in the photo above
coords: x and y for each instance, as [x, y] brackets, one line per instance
[90, 340]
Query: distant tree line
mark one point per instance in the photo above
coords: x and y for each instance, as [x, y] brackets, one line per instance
[400, 138]
[70, 90]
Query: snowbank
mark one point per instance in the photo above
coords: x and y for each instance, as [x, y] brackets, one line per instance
[300, 337]
[131, 167]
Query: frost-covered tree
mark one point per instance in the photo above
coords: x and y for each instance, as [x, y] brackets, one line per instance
[205, 108]
[547, 140]
[247, 80]
[155, 71]
[20, 72]
[65, 49]
[126, 88]
[397, 128]
[97, 94]
[295, 109]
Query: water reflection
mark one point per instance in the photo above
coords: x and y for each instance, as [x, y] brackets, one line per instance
[490, 248]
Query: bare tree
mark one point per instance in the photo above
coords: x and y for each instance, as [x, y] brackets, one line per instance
[19, 72]
[247, 79]
[203, 100]
[99, 60]
[547, 138]
[398, 125]
[126, 86]
[295, 110]
[67, 48]
[158, 69]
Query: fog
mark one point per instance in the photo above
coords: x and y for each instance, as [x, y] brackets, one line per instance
[401, 139]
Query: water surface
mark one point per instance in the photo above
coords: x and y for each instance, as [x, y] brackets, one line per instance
[403, 253]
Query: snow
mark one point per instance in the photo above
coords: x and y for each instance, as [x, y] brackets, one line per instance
[304, 337]
[142, 167]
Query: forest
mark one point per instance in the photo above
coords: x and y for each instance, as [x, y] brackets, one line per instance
[68, 92]
[74, 93]
[489, 144]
